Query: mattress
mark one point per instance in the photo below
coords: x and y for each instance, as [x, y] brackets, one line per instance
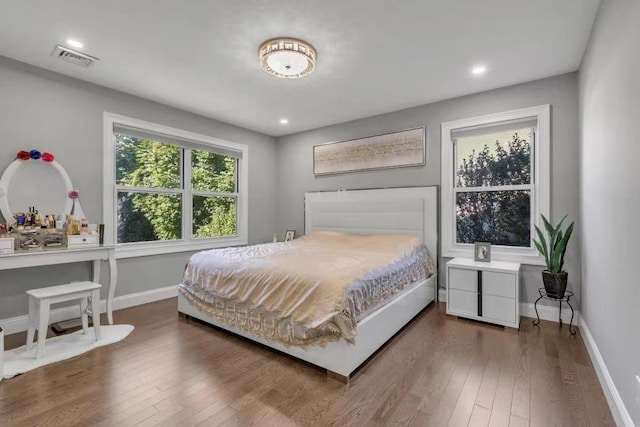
[307, 292]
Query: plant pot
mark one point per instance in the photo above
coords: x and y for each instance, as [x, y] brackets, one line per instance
[555, 284]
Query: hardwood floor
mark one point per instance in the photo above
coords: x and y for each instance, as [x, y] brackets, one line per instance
[439, 370]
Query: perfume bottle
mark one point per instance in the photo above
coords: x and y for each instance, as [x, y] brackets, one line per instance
[84, 226]
[59, 223]
[68, 226]
[76, 227]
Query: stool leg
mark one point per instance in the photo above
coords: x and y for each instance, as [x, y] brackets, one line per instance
[33, 315]
[84, 316]
[43, 326]
[95, 310]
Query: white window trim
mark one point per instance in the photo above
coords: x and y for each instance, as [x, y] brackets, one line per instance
[541, 193]
[109, 207]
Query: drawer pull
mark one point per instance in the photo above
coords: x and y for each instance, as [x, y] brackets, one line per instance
[480, 293]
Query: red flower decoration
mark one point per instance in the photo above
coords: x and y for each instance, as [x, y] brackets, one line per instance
[74, 194]
[23, 155]
[47, 157]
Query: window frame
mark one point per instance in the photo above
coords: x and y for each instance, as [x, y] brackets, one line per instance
[540, 185]
[188, 242]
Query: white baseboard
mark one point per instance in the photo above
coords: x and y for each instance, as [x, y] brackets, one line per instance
[527, 309]
[139, 298]
[20, 323]
[618, 409]
[549, 312]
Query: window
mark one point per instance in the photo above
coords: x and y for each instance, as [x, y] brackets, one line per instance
[495, 183]
[168, 190]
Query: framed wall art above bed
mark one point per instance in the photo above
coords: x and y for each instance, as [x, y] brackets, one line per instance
[404, 148]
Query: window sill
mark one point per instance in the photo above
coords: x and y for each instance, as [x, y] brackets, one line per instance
[135, 251]
[523, 257]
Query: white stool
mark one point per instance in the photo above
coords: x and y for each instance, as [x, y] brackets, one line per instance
[40, 301]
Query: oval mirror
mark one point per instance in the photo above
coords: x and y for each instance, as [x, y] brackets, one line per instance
[43, 185]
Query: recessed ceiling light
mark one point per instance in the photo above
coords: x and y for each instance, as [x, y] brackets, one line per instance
[478, 70]
[284, 121]
[75, 43]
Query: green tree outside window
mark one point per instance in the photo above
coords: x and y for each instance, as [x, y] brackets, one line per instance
[501, 217]
[150, 216]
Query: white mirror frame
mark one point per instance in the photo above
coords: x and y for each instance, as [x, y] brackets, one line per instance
[8, 175]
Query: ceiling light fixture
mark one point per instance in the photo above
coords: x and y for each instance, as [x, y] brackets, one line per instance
[75, 43]
[284, 121]
[478, 70]
[287, 58]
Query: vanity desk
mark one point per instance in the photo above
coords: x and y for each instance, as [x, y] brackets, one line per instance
[36, 179]
[66, 256]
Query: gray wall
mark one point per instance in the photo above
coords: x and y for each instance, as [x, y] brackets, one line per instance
[48, 111]
[44, 110]
[609, 196]
[295, 171]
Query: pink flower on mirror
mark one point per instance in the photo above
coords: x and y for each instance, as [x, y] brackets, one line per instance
[74, 194]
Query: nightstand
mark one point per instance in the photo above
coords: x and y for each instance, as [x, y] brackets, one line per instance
[485, 291]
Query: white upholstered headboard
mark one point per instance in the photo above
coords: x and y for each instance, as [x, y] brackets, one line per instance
[405, 210]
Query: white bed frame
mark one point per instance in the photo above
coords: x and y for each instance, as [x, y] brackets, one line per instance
[412, 211]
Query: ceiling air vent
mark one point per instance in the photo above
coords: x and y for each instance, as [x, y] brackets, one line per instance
[73, 56]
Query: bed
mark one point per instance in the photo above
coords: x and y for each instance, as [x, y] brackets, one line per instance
[376, 226]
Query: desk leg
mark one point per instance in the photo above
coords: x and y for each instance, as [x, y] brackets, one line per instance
[96, 279]
[113, 279]
[96, 271]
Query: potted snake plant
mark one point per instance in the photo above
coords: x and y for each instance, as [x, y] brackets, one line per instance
[553, 247]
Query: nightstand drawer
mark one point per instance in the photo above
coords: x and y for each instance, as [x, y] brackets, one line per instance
[498, 284]
[485, 291]
[462, 302]
[499, 308]
[463, 279]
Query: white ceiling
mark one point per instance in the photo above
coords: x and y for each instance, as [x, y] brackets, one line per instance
[374, 56]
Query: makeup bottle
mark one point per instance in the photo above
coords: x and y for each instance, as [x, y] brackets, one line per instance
[84, 226]
[21, 219]
[68, 226]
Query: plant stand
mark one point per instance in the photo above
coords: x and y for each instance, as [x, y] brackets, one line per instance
[567, 296]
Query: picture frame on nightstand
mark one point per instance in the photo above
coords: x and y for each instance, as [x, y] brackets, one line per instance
[482, 252]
